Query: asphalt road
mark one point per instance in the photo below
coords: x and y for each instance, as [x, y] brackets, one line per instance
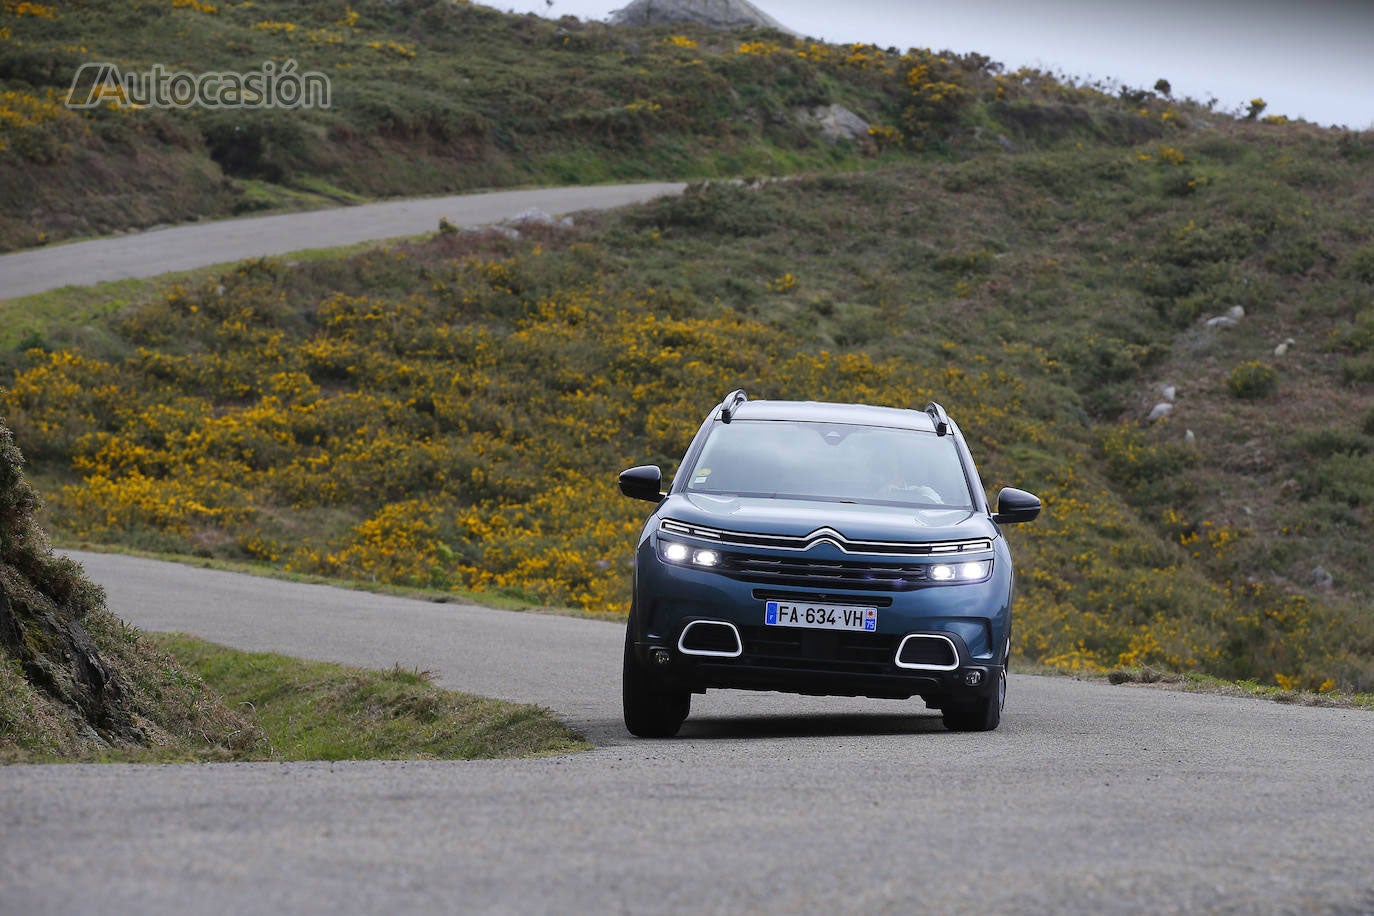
[148, 254]
[1089, 799]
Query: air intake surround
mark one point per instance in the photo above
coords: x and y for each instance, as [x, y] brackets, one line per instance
[714, 638]
[928, 652]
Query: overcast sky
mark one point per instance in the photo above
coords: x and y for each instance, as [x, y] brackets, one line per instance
[1311, 59]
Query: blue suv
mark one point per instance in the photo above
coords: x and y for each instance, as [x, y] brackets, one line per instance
[825, 549]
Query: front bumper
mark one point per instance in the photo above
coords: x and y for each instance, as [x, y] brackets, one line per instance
[819, 662]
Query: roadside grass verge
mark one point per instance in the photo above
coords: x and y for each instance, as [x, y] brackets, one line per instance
[1192, 682]
[77, 316]
[311, 710]
[278, 708]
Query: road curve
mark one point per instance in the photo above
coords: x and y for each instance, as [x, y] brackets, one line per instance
[148, 254]
[1089, 799]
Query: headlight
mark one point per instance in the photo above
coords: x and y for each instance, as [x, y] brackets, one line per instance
[970, 571]
[683, 555]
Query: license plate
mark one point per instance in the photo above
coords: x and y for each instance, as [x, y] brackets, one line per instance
[820, 616]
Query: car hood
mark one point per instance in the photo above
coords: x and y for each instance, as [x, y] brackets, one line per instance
[854, 522]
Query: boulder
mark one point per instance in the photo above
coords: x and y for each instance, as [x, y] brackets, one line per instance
[533, 217]
[837, 123]
[717, 14]
[1160, 411]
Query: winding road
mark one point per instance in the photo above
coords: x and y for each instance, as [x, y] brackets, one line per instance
[1089, 798]
[160, 251]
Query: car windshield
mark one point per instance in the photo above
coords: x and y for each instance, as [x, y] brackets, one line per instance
[831, 461]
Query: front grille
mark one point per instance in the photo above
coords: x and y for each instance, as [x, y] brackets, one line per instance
[828, 535]
[823, 575]
[832, 650]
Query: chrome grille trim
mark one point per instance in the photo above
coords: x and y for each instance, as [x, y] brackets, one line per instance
[820, 535]
[685, 649]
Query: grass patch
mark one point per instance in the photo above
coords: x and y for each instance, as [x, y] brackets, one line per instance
[318, 711]
[287, 709]
[76, 316]
[1203, 683]
[308, 193]
[56, 318]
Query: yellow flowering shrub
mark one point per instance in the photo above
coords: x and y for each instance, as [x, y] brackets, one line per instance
[759, 48]
[1171, 155]
[394, 48]
[399, 543]
[35, 126]
[26, 8]
[938, 93]
[206, 8]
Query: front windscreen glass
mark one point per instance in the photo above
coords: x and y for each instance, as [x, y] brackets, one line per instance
[831, 461]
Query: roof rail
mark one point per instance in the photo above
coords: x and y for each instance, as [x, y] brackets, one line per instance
[939, 418]
[731, 402]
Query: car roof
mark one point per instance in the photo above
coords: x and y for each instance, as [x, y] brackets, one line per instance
[820, 412]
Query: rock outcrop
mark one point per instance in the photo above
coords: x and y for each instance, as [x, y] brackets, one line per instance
[836, 123]
[717, 14]
[44, 601]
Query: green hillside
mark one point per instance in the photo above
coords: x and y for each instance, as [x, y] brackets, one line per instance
[1041, 258]
[452, 413]
[429, 96]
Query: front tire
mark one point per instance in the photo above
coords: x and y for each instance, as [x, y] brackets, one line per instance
[650, 711]
[981, 715]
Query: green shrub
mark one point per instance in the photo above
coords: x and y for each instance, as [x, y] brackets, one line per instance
[1105, 368]
[1360, 264]
[1134, 460]
[975, 174]
[1355, 147]
[1201, 244]
[1357, 337]
[1358, 369]
[1347, 479]
[1252, 380]
[722, 209]
[1296, 258]
[1327, 442]
[1176, 183]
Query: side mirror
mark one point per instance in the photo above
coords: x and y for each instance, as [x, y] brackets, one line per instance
[644, 482]
[1015, 505]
